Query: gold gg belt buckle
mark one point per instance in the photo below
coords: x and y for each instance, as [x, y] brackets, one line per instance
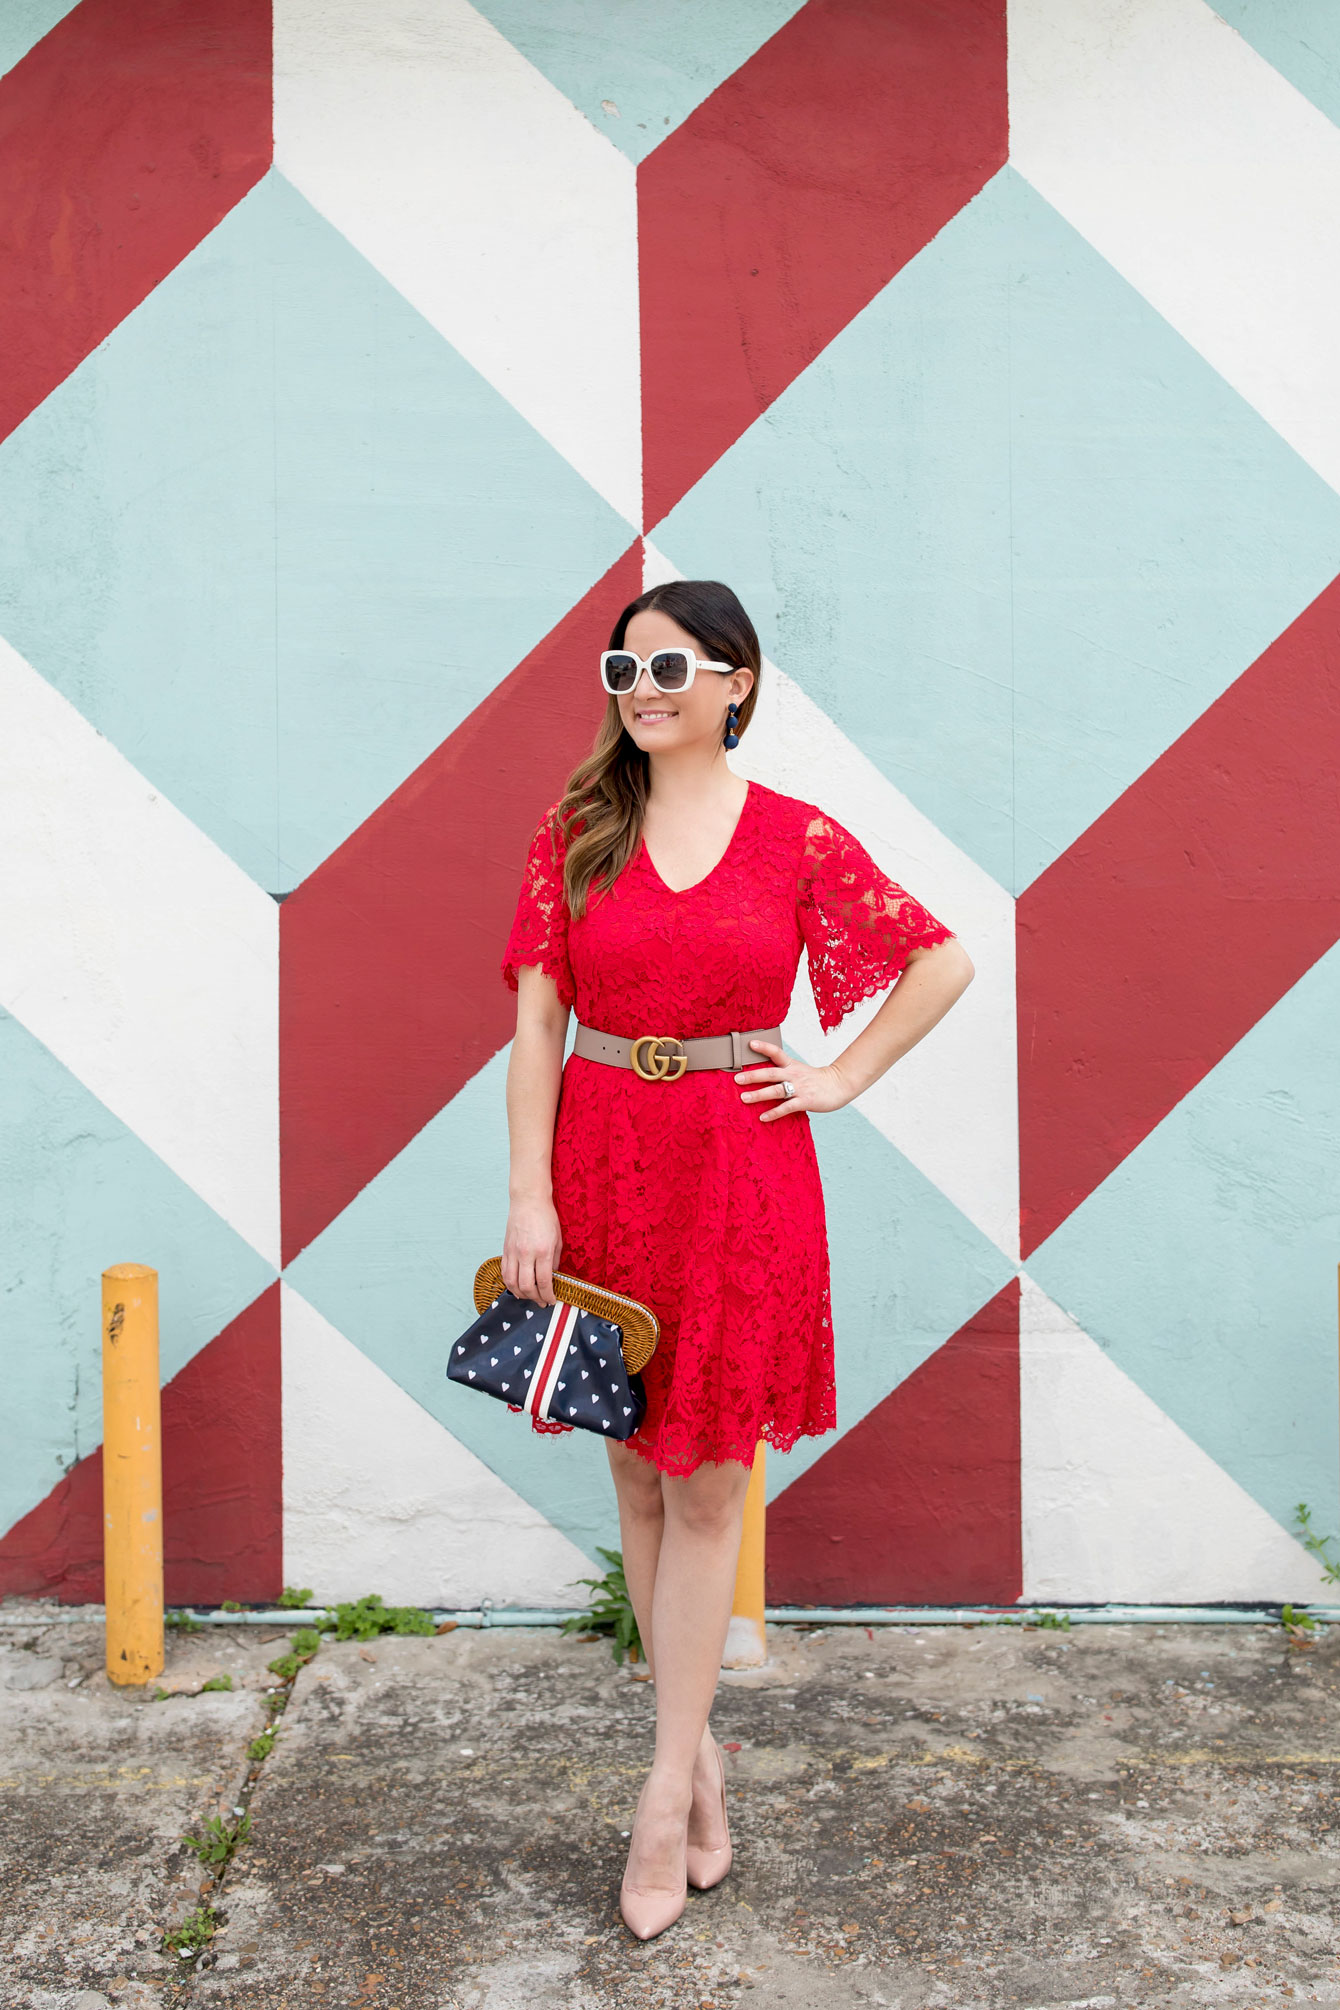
[661, 1067]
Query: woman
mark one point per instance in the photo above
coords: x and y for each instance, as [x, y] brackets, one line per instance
[666, 898]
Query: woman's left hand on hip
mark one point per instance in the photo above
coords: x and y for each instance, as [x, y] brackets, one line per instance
[815, 1088]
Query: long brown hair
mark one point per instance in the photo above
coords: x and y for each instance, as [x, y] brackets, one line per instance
[602, 806]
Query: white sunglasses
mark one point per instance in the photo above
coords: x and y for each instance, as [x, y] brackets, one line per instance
[669, 669]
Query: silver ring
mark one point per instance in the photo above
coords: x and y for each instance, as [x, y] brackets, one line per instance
[788, 1089]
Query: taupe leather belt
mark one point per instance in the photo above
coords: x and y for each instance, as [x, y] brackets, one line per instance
[660, 1057]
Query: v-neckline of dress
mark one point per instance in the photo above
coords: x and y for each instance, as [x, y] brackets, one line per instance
[676, 892]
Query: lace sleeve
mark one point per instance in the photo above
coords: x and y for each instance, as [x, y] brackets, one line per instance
[859, 927]
[540, 927]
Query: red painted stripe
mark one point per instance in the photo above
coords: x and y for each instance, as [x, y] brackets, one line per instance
[125, 135]
[789, 197]
[546, 1367]
[1179, 919]
[919, 1503]
[390, 997]
[222, 1485]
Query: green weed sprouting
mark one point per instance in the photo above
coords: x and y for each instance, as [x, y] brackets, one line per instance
[216, 1682]
[1052, 1622]
[196, 1931]
[261, 1748]
[365, 1618]
[185, 1622]
[306, 1641]
[291, 1599]
[219, 1844]
[1316, 1545]
[611, 1610]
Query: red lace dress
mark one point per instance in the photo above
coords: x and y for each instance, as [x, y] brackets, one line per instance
[675, 1192]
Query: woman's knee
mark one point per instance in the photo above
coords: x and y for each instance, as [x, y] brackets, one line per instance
[637, 1484]
[709, 1501]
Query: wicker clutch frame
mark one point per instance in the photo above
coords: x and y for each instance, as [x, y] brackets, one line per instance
[640, 1327]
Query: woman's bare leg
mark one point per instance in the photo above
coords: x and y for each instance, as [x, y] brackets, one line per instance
[639, 1490]
[637, 1487]
[690, 1611]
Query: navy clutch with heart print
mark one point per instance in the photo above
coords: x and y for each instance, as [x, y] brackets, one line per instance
[560, 1363]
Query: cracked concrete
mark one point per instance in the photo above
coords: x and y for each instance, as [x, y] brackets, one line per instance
[1121, 1816]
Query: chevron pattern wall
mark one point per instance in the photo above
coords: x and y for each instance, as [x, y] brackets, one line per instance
[363, 358]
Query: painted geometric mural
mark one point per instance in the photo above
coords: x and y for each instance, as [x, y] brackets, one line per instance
[363, 357]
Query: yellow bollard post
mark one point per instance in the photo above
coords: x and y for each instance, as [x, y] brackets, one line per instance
[132, 1474]
[746, 1637]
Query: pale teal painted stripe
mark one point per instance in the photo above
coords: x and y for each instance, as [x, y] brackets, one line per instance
[23, 23]
[1205, 1264]
[394, 1272]
[651, 62]
[276, 538]
[78, 1192]
[1011, 532]
[1301, 38]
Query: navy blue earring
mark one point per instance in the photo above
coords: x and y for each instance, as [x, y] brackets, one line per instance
[732, 721]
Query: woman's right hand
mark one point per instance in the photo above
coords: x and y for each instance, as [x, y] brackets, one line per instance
[532, 1247]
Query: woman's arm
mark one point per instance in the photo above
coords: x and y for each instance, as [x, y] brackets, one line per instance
[533, 1242]
[933, 980]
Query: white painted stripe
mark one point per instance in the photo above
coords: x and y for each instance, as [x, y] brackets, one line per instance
[485, 197]
[1119, 1504]
[140, 954]
[1204, 178]
[377, 1492]
[951, 1105]
[549, 1366]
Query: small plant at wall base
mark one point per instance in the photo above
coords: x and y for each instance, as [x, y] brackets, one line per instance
[1301, 1627]
[291, 1599]
[306, 1642]
[1316, 1545]
[365, 1618]
[611, 1610]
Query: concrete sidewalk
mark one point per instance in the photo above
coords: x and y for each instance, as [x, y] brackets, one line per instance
[1119, 1816]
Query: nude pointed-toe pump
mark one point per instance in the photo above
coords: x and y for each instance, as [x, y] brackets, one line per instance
[705, 1867]
[647, 1912]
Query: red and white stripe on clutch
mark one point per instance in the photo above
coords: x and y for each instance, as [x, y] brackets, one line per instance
[548, 1368]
